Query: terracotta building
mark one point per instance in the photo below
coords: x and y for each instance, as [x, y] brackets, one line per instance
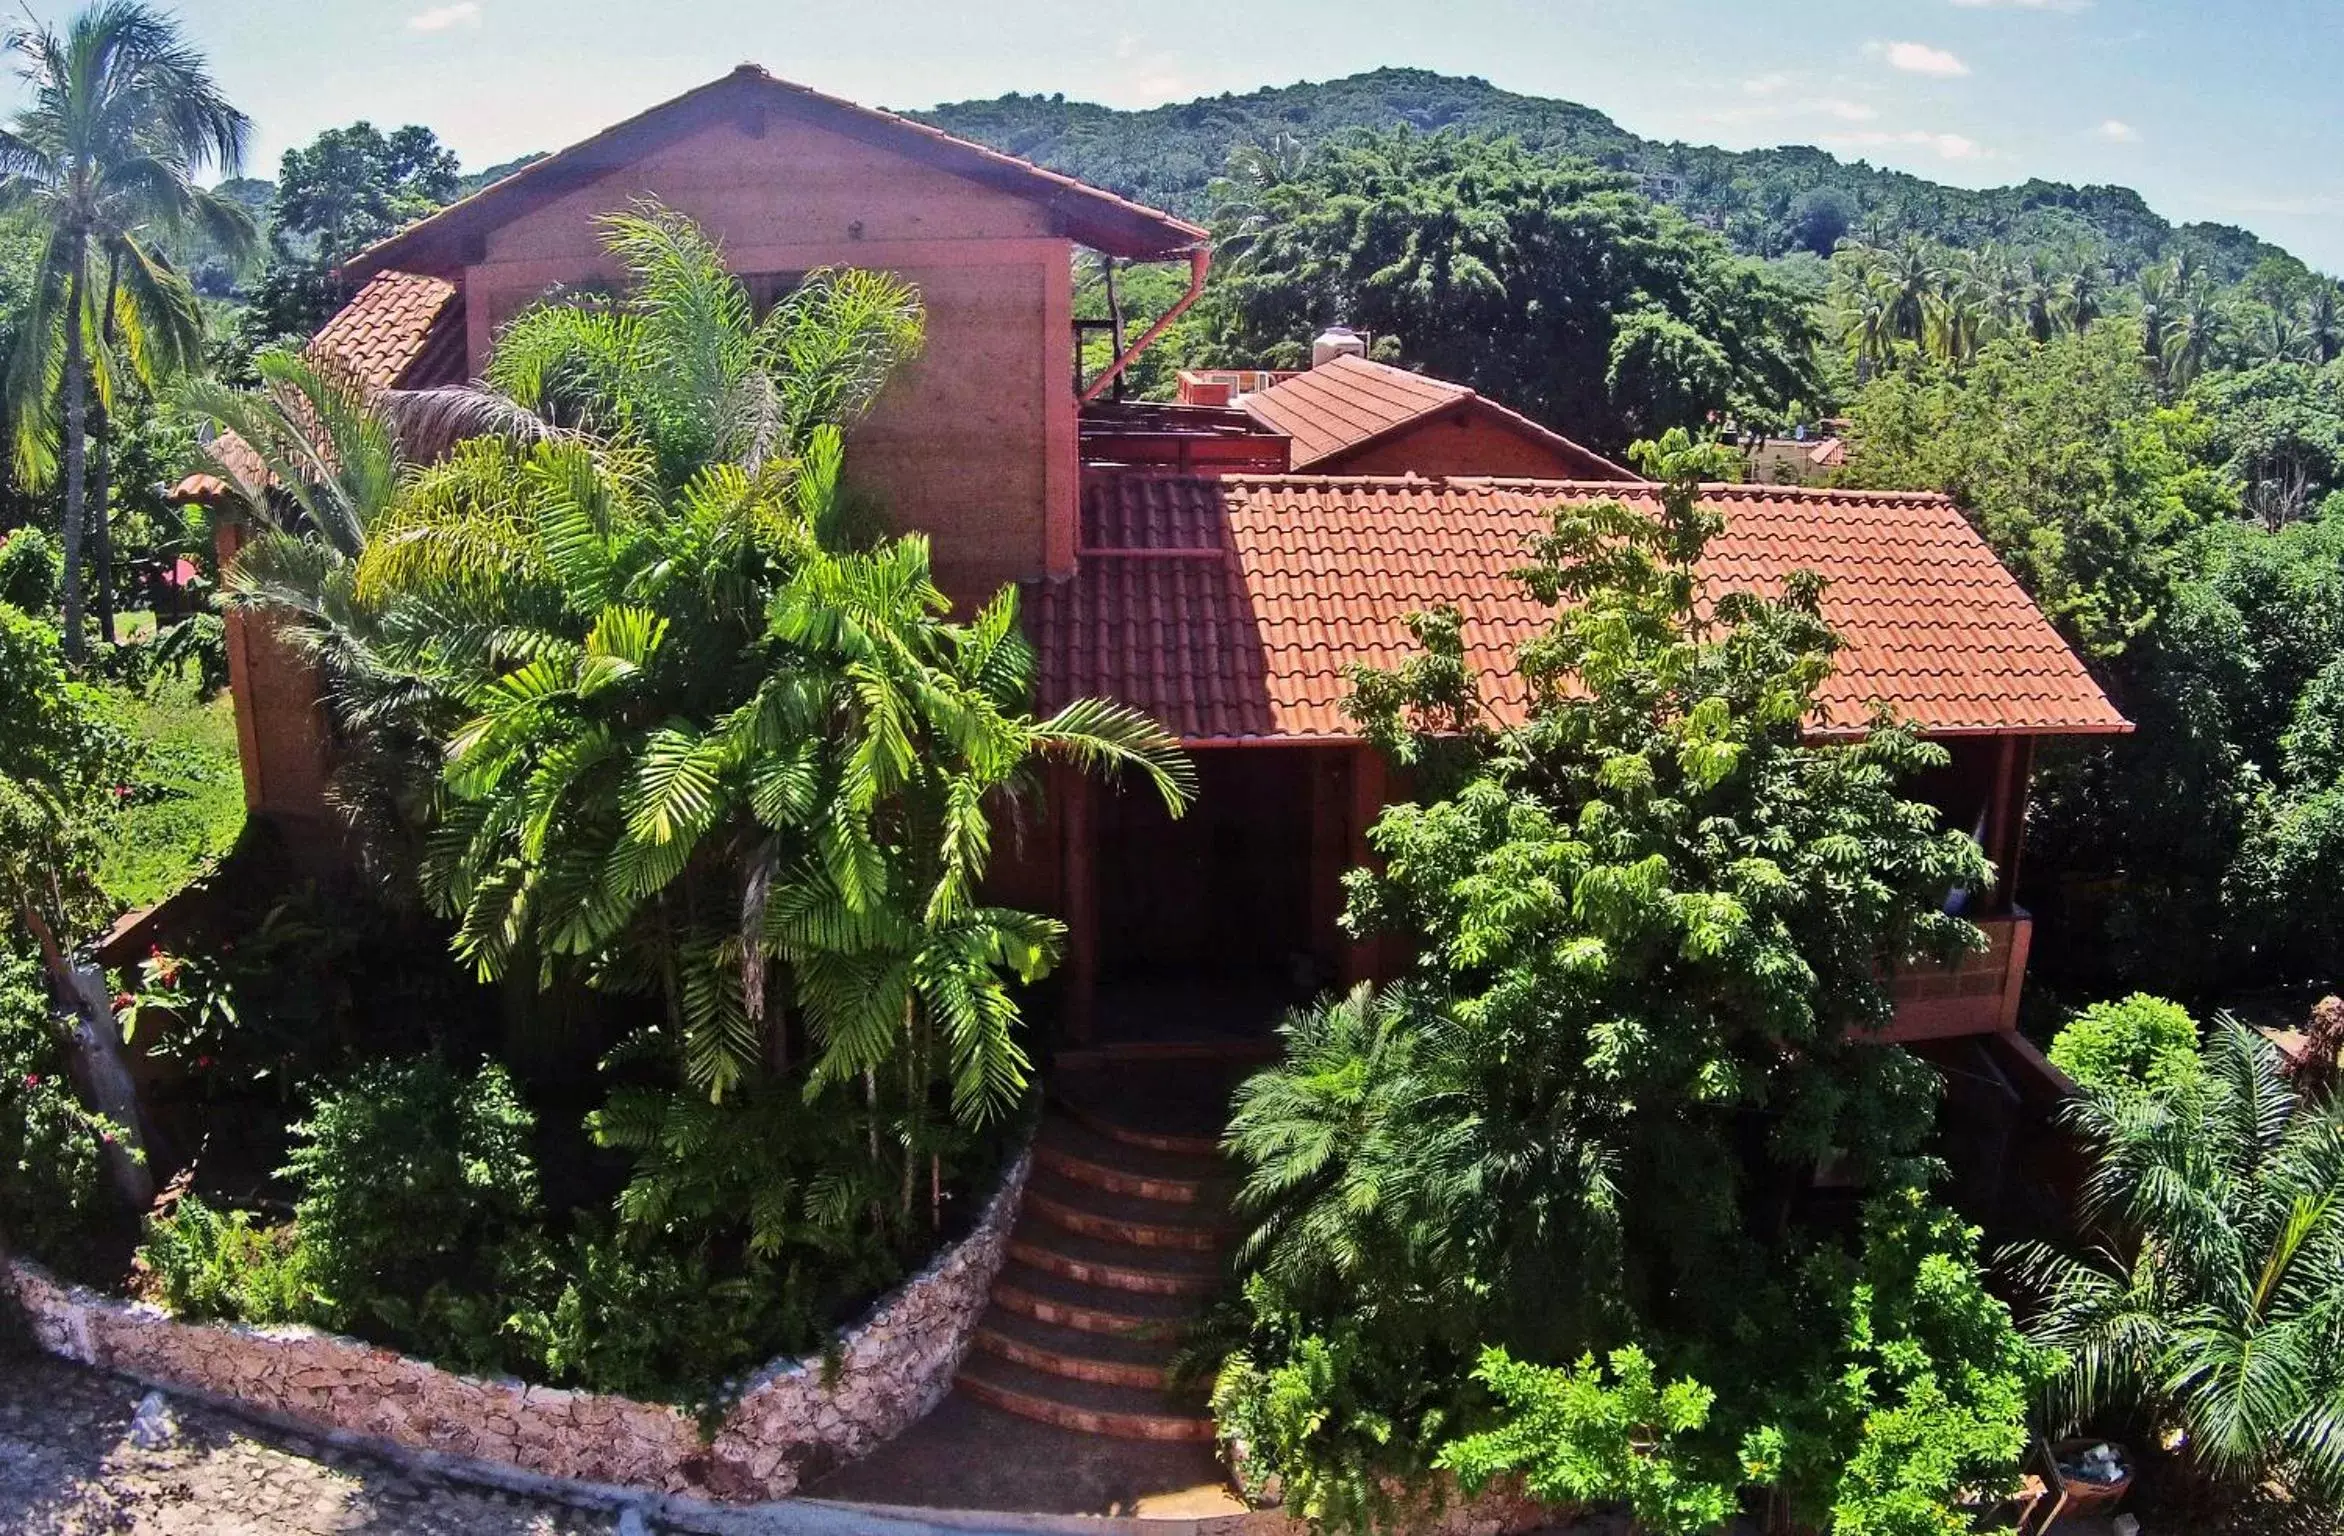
[1219, 562]
[1347, 415]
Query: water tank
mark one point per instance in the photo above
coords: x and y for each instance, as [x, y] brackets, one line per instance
[1336, 341]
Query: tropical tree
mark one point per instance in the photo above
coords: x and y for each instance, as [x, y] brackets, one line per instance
[1549, 284]
[124, 115]
[1643, 915]
[2217, 1305]
[689, 736]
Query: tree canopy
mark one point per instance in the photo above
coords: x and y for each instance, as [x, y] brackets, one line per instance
[1550, 285]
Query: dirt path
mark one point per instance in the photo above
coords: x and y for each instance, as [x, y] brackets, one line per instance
[68, 1468]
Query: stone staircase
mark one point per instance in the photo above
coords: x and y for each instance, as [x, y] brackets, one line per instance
[1117, 1249]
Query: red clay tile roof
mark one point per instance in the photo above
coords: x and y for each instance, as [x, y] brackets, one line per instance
[1230, 607]
[1081, 212]
[1349, 402]
[400, 330]
[387, 326]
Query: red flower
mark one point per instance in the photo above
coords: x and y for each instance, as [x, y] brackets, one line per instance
[32, 1079]
[123, 1002]
[154, 951]
[203, 1061]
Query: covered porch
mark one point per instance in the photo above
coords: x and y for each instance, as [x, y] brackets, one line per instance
[1196, 935]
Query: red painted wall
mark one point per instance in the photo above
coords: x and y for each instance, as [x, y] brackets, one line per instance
[1473, 440]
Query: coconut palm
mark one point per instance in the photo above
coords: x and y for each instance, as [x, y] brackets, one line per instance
[123, 117]
[1870, 332]
[2084, 295]
[1914, 273]
[2323, 322]
[2195, 330]
[2218, 1306]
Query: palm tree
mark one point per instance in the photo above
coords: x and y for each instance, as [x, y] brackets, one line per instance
[1240, 196]
[1870, 329]
[124, 115]
[2323, 322]
[681, 724]
[2218, 1306]
[2192, 334]
[2084, 295]
[1914, 272]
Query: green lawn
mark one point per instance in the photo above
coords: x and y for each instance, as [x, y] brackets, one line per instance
[188, 807]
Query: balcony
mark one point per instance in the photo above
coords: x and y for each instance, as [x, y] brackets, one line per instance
[1976, 995]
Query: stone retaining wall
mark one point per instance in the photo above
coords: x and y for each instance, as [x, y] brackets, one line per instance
[795, 1420]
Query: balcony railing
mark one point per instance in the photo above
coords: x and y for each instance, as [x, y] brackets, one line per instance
[1975, 995]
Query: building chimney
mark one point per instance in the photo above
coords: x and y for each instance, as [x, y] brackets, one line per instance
[1336, 341]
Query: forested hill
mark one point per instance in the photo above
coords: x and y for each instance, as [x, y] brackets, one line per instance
[1766, 202]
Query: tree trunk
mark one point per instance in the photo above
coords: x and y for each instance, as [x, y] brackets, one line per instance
[101, 513]
[94, 1051]
[75, 386]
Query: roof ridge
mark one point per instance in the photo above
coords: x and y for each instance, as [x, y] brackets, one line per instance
[563, 162]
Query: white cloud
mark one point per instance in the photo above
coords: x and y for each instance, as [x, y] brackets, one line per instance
[464, 13]
[1919, 59]
[1846, 111]
[2117, 131]
[1766, 85]
[1946, 146]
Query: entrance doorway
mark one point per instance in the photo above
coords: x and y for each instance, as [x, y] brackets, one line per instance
[1211, 926]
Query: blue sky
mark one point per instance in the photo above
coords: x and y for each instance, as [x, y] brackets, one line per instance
[2226, 110]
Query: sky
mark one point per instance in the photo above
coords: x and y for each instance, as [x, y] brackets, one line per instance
[2224, 110]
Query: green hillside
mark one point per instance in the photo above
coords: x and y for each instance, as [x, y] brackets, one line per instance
[1765, 202]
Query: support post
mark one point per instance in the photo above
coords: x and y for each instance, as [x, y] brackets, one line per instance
[1079, 896]
[1363, 959]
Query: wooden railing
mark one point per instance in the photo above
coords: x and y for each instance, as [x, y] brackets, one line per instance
[1976, 995]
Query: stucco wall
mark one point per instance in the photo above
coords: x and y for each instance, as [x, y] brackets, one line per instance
[794, 1420]
[975, 444]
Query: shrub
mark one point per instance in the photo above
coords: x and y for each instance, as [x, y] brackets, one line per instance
[2142, 1041]
[411, 1176]
[658, 1323]
[1576, 1438]
[54, 1201]
[209, 1263]
[201, 638]
[30, 572]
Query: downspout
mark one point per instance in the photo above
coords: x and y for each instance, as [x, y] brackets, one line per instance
[1198, 260]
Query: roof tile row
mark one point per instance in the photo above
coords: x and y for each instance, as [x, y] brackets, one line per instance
[1319, 574]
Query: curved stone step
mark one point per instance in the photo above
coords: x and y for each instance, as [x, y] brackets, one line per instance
[1054, 1299]
[1098, 1408]
[1114, 1266]
[1121, 1360]
[1083, 1155]
[1133, 1136]
[1119, 1218]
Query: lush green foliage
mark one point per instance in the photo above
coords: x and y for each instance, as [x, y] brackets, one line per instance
[2185, 858]
[2141, 1042]
[1551, 286]
[333, 197]
[411, 1175]
[1576, 1439]
[1916, 1401]
[59, 762]
[2062, 455]
[104, 159]
[29, 572]
[1653, 923]
[1766, 201]
[2217, 1304]
[209, 1263]
[53, 1200]
[182, 805]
